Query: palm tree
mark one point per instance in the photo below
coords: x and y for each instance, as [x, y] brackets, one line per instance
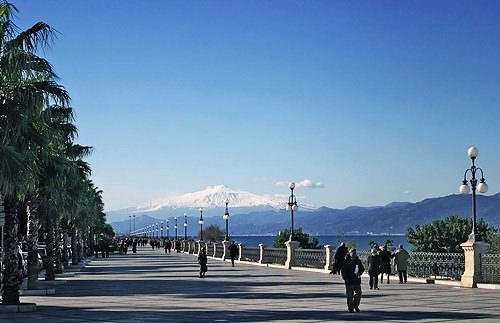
[27, 84]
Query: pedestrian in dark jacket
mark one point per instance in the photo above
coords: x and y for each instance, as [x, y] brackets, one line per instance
[352, 269]
[338, 259]
[202, 260]
[374, 268]
[385, 263]
[233, 252]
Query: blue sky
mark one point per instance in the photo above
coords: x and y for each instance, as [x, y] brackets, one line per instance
[376, 100]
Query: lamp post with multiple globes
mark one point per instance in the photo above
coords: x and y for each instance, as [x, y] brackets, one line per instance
[200, 221]
[185, 226]
[482, 187]
[292, 205]
[226, 218]
[175, 227]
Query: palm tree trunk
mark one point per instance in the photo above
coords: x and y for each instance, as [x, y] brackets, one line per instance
[49, 268]
[12, 276]
[57, 246]
[64, 233]
[33, 227]
[74, 246]
[80, 246]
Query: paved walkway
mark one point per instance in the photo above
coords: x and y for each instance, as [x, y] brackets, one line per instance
[152, 286]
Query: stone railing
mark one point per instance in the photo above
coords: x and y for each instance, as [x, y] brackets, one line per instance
[274, 256]
[448, 266]
[434, 265]
[310, 258]
[490, 268]
[251, 254]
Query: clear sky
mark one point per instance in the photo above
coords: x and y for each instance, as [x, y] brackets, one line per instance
[376, 100]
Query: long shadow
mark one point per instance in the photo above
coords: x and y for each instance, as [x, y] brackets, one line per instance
[59, 314]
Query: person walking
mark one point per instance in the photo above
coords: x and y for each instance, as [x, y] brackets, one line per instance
[352, 269]
[374, 268]
[385, 264]
[401, 259]
[233, 252]
[202, 260]
[338, 258]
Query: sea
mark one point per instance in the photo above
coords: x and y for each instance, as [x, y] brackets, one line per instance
[361, 242]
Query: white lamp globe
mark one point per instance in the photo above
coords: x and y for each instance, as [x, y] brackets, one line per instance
[482, 187]
[472, 152]
[200, 221]
[464, 189]
[288, 208]
[291, 185]
[295, 207]
[185, 224]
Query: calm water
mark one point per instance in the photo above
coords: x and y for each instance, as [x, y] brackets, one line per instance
[361, 242]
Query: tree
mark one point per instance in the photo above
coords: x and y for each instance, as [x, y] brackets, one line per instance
[27, 84]
[444, 235]
[213, 233]
[493, 237]
[305, 242]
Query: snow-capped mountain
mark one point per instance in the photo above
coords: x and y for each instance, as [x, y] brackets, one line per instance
[212, 200]
[214, 197]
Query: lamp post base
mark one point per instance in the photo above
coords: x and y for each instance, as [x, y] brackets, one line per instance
[472, 253]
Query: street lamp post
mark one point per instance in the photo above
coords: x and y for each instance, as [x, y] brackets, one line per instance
[175, 226]
[292, 205]
[201, 224]
[134, 221]
[129, 224]
[482, 187]
[168, 229]
[161, 229]
[156, 230]
[185, 226]
[226, 218]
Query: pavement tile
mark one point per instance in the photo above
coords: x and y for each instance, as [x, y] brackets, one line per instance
[152, 286]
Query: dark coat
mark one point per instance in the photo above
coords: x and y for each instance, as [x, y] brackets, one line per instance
[373, 264]
[385, 261]
[202, 260]
[339, 257]
[233, 250]
[348, 270]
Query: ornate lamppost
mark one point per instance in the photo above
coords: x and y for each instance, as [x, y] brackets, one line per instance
[185, 226]
[156, 230]
[226, 218]
[129, 224]
[134, 221]
[482, 187]
[161, 229]
[201, 224]
[175, 226]
[292, 205]
[168, 229]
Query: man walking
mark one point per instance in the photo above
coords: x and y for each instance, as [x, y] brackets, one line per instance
[352, 269]
[233, 252]
[401, 259]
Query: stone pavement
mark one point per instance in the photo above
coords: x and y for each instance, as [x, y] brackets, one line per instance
[152, 286]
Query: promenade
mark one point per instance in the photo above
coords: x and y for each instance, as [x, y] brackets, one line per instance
[152, 286]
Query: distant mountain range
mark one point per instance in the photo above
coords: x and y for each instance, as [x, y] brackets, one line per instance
[212, 200]
[268, 218]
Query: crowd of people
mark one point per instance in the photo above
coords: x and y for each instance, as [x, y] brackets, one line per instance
[379, 262]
